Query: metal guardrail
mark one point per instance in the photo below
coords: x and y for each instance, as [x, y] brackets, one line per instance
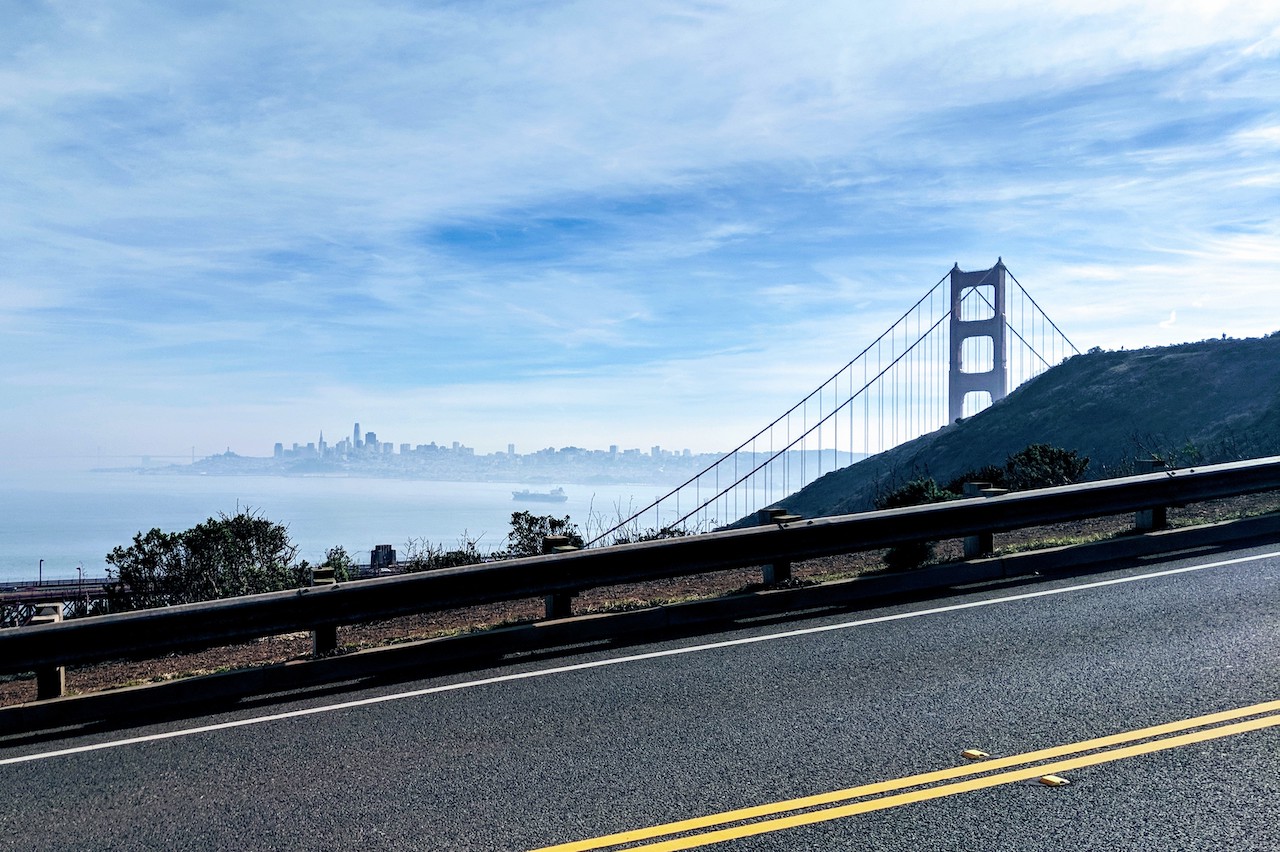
[201, 625]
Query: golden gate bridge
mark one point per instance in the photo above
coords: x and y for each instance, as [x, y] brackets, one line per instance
[964, 345]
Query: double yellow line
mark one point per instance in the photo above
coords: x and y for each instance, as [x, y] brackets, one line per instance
[776, 816]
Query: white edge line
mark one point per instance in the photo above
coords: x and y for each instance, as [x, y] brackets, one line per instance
[613, 661]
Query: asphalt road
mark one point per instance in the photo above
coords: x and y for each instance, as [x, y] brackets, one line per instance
[552, 752]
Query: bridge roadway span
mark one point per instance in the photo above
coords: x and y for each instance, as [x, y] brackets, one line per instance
[553, 751]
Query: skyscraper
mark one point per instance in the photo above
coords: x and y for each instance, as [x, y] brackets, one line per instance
[355, 438]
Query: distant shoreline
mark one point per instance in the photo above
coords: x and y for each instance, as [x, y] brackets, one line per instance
[659, 468]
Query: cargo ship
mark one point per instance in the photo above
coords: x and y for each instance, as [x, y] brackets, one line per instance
[555, 495]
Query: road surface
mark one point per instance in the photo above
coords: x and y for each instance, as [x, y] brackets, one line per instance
[1153, 691]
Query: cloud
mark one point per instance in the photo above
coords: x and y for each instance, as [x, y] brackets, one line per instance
[236, 217]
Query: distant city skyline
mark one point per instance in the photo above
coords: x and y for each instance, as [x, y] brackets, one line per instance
[586, 224]
[364, 454]
[368, 442]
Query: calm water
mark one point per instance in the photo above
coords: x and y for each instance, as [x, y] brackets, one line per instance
[71, 519]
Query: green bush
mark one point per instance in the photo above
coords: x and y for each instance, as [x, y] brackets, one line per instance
[1043, 466]
[917, 492]
[224, 557]
[344, 567]
[991, 474]
[1035, 466]
[528, 531]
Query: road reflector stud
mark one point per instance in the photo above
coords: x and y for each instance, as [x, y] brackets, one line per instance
[974, 754]
[1053, 781]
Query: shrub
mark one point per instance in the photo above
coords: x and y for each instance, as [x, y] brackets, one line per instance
[651, 534]
[528, 531]
[337, 558]
[1043, 466]
[224, 557]
[422, 555]
[1035, 466]
[625, 528]
[917, 492]
[631, 536]
[993, 474]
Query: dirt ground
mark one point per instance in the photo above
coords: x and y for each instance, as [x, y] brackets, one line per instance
[276, 649]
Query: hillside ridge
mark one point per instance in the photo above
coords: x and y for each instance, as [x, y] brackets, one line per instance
[1190, 403]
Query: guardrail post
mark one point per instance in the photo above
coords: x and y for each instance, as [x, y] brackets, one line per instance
[1157, 517]
[558, 604]
[984, 543]
[50, 682]
[780, 570]
[325, 637]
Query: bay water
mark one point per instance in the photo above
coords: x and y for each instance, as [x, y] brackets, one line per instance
[72, 519]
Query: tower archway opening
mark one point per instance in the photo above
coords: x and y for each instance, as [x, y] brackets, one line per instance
[977, 355]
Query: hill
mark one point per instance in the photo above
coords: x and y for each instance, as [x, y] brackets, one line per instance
[1194, 403]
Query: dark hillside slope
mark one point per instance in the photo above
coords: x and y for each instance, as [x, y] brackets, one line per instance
[1196, 402]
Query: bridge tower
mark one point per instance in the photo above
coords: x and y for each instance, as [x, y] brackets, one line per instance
[979, 344]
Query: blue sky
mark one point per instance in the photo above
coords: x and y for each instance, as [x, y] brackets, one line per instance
[554, 223]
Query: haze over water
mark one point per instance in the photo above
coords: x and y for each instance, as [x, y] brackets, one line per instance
[75, 518]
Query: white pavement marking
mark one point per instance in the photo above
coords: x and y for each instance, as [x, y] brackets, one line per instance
[652, 655]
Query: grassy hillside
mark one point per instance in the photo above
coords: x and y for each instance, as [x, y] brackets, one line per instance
[1195, 403]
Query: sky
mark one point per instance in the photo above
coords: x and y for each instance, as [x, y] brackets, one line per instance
[226, 224]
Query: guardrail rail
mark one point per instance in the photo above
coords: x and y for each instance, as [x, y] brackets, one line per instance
[560, 575]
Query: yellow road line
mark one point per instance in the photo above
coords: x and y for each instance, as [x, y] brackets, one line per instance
[982, 768]
[1010, 777]
[960, 787]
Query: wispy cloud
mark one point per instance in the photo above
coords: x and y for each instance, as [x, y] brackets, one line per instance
[239, 219]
